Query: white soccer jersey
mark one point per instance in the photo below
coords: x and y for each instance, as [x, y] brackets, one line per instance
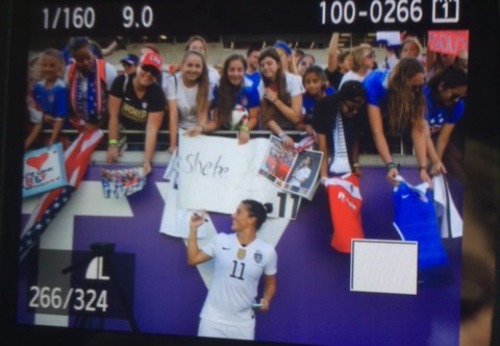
[237, 271]
[300, 176]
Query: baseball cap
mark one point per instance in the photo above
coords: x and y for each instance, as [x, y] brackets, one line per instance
[286, 48]
[152, 60]
[131, 59]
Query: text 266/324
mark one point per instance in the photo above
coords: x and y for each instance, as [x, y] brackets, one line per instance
[75, 299]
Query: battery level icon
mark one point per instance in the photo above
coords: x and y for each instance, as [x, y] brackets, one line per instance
[445, 11]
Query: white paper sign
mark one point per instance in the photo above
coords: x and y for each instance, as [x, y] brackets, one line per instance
[217, 173]
[175, 221]
[383, 266]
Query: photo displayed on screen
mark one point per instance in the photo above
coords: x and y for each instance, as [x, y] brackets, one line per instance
[166, 210]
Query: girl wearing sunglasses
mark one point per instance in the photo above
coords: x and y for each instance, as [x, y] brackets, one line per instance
[137, 102]
[363, 61]
[396, 108]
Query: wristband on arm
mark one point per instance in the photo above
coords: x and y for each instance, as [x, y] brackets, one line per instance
[390, 166]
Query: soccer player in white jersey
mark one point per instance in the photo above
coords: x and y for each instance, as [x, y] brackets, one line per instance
[241, 260]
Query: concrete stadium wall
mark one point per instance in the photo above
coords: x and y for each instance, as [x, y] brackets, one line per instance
[172, 53]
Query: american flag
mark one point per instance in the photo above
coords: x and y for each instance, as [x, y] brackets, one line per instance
[76, 160]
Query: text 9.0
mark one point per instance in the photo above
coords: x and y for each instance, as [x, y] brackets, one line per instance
[85, 18]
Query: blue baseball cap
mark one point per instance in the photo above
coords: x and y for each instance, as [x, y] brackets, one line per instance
[286, 48]
[131, 59]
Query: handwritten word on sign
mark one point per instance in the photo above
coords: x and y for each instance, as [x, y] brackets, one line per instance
[448, 42]
[196, 165]
[217, 173]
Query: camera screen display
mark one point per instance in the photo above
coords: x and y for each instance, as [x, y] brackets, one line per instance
[277, 171]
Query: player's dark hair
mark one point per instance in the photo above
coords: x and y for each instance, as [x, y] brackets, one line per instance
[258, 210]
[319, 72]
[75, 43]
[252, 49]
[451, 77]
[96, 49]
[352, 90]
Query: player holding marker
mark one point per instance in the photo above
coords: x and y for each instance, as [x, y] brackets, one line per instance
[241, 260]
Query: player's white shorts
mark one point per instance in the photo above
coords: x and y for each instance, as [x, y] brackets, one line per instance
[213, 329]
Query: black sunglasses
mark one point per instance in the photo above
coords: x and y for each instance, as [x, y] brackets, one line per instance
[150, 69]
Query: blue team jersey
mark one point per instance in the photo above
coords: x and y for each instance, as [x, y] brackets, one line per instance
[254, 78]
[415, 219]
[247, 96]
[375, 84]
[308, 103]
[53, 101]
[437, 115]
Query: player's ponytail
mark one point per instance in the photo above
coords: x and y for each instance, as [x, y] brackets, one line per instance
[258, 210]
